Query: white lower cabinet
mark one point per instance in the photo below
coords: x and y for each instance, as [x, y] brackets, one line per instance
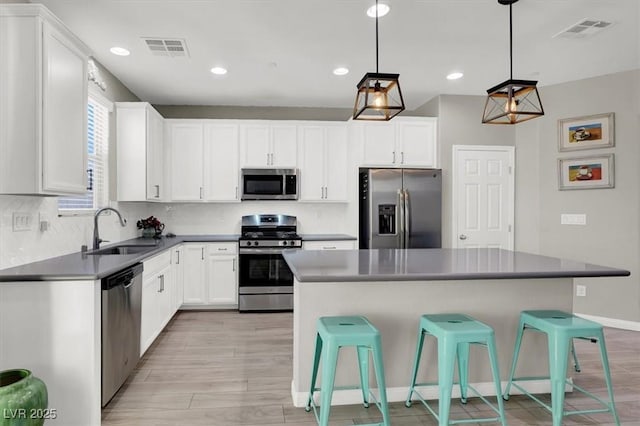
[177, 261]
[194, 274]
[211, 275]
[222, 287]
[157, 298]
[329, 245]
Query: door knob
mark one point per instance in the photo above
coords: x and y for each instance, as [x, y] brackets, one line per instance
[463, 237]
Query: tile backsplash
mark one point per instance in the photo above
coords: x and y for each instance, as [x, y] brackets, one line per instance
[65, 234]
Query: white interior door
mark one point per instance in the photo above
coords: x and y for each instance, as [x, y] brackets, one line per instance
[483, 196]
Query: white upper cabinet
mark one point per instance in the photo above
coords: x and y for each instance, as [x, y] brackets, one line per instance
[416, 141]
[323, 162]
[43, 107]
[402, 142]
[204, 160]
[139, 135]
[186, 142]
[265, 144]
[379, 141]
[221, 168]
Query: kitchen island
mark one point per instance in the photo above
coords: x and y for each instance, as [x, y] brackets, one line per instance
[394, 287]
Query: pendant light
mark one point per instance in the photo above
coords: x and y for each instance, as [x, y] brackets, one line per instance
[512, 101]
[379, 96]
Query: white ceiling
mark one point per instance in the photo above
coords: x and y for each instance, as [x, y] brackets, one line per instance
[282, 52]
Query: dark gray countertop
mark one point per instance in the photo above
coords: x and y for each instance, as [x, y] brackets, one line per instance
[327, 237]
[79, 266]
[434, 264]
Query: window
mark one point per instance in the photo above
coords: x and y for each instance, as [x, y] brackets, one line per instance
[97, 194]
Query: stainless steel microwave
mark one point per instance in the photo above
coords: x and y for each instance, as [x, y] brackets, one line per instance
[269, 184]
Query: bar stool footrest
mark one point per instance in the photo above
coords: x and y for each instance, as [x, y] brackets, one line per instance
[459, 421]
[607, 405]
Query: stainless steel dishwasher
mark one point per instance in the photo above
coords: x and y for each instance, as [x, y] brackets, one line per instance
[121, 305]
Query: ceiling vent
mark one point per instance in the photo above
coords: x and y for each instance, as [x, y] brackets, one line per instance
[172, 47]
[584, 28]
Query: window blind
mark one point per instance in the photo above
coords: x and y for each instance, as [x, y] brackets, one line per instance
[97, 194]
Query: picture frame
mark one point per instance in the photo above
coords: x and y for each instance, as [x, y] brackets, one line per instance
[588, 172]
[587, 132]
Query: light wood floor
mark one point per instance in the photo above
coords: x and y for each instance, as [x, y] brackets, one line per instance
[226, 368]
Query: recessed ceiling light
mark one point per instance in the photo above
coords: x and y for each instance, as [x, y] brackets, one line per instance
[120, 51]
[454, 76]
[341, 71]
[219, 70]
[383, 9]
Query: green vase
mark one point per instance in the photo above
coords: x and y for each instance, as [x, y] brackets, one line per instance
[23, 399]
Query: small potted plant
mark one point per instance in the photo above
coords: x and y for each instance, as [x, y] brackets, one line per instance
[151, 227]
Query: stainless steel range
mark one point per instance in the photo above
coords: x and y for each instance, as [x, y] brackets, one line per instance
[266, 282]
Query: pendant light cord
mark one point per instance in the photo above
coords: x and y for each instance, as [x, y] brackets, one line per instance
[510, 42]
[376, 36]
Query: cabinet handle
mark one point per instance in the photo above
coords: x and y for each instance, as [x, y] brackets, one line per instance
[272, 158]
[157, 191]
[161, 277]
[394, 157]
[178, 257]
[268, 159]
[236, 192]
[326, 192]
[329, 248]
[222, 249]
[202, 253]
[234, 265]
[201, 193]
[401, 157]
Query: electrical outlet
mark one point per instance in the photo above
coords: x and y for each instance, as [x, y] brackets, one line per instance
[22, 221]
[573, 219]
[581, 290]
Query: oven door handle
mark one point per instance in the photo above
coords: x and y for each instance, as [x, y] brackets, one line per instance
[262, 250]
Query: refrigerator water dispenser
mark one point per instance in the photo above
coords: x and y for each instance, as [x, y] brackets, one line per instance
[386, 219]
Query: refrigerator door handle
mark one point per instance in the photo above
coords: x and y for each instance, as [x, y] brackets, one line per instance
[400, 219]
[407, 218]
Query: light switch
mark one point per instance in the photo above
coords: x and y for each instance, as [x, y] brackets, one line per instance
[22, 221]
[573, 219]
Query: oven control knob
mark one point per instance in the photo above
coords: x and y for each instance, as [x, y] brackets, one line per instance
[284, 243]
[255, 243]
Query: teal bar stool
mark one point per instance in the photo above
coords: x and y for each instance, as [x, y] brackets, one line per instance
[561, 328]
[333, 334]
[455, 333]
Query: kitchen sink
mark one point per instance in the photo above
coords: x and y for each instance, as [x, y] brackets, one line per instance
[123, 249]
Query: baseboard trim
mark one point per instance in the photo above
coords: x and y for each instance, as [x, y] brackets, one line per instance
[612, 322]
[354, 396]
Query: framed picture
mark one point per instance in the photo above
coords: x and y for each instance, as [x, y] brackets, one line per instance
[585, 172]
[593, 131]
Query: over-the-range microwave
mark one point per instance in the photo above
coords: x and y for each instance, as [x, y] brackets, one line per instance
[269, 184]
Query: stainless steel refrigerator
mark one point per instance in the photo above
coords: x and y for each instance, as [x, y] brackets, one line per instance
[400, 208]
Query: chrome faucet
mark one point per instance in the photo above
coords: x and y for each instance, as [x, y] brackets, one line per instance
[96, 234]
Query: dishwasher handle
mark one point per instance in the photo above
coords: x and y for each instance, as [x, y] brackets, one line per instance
[124, 277]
